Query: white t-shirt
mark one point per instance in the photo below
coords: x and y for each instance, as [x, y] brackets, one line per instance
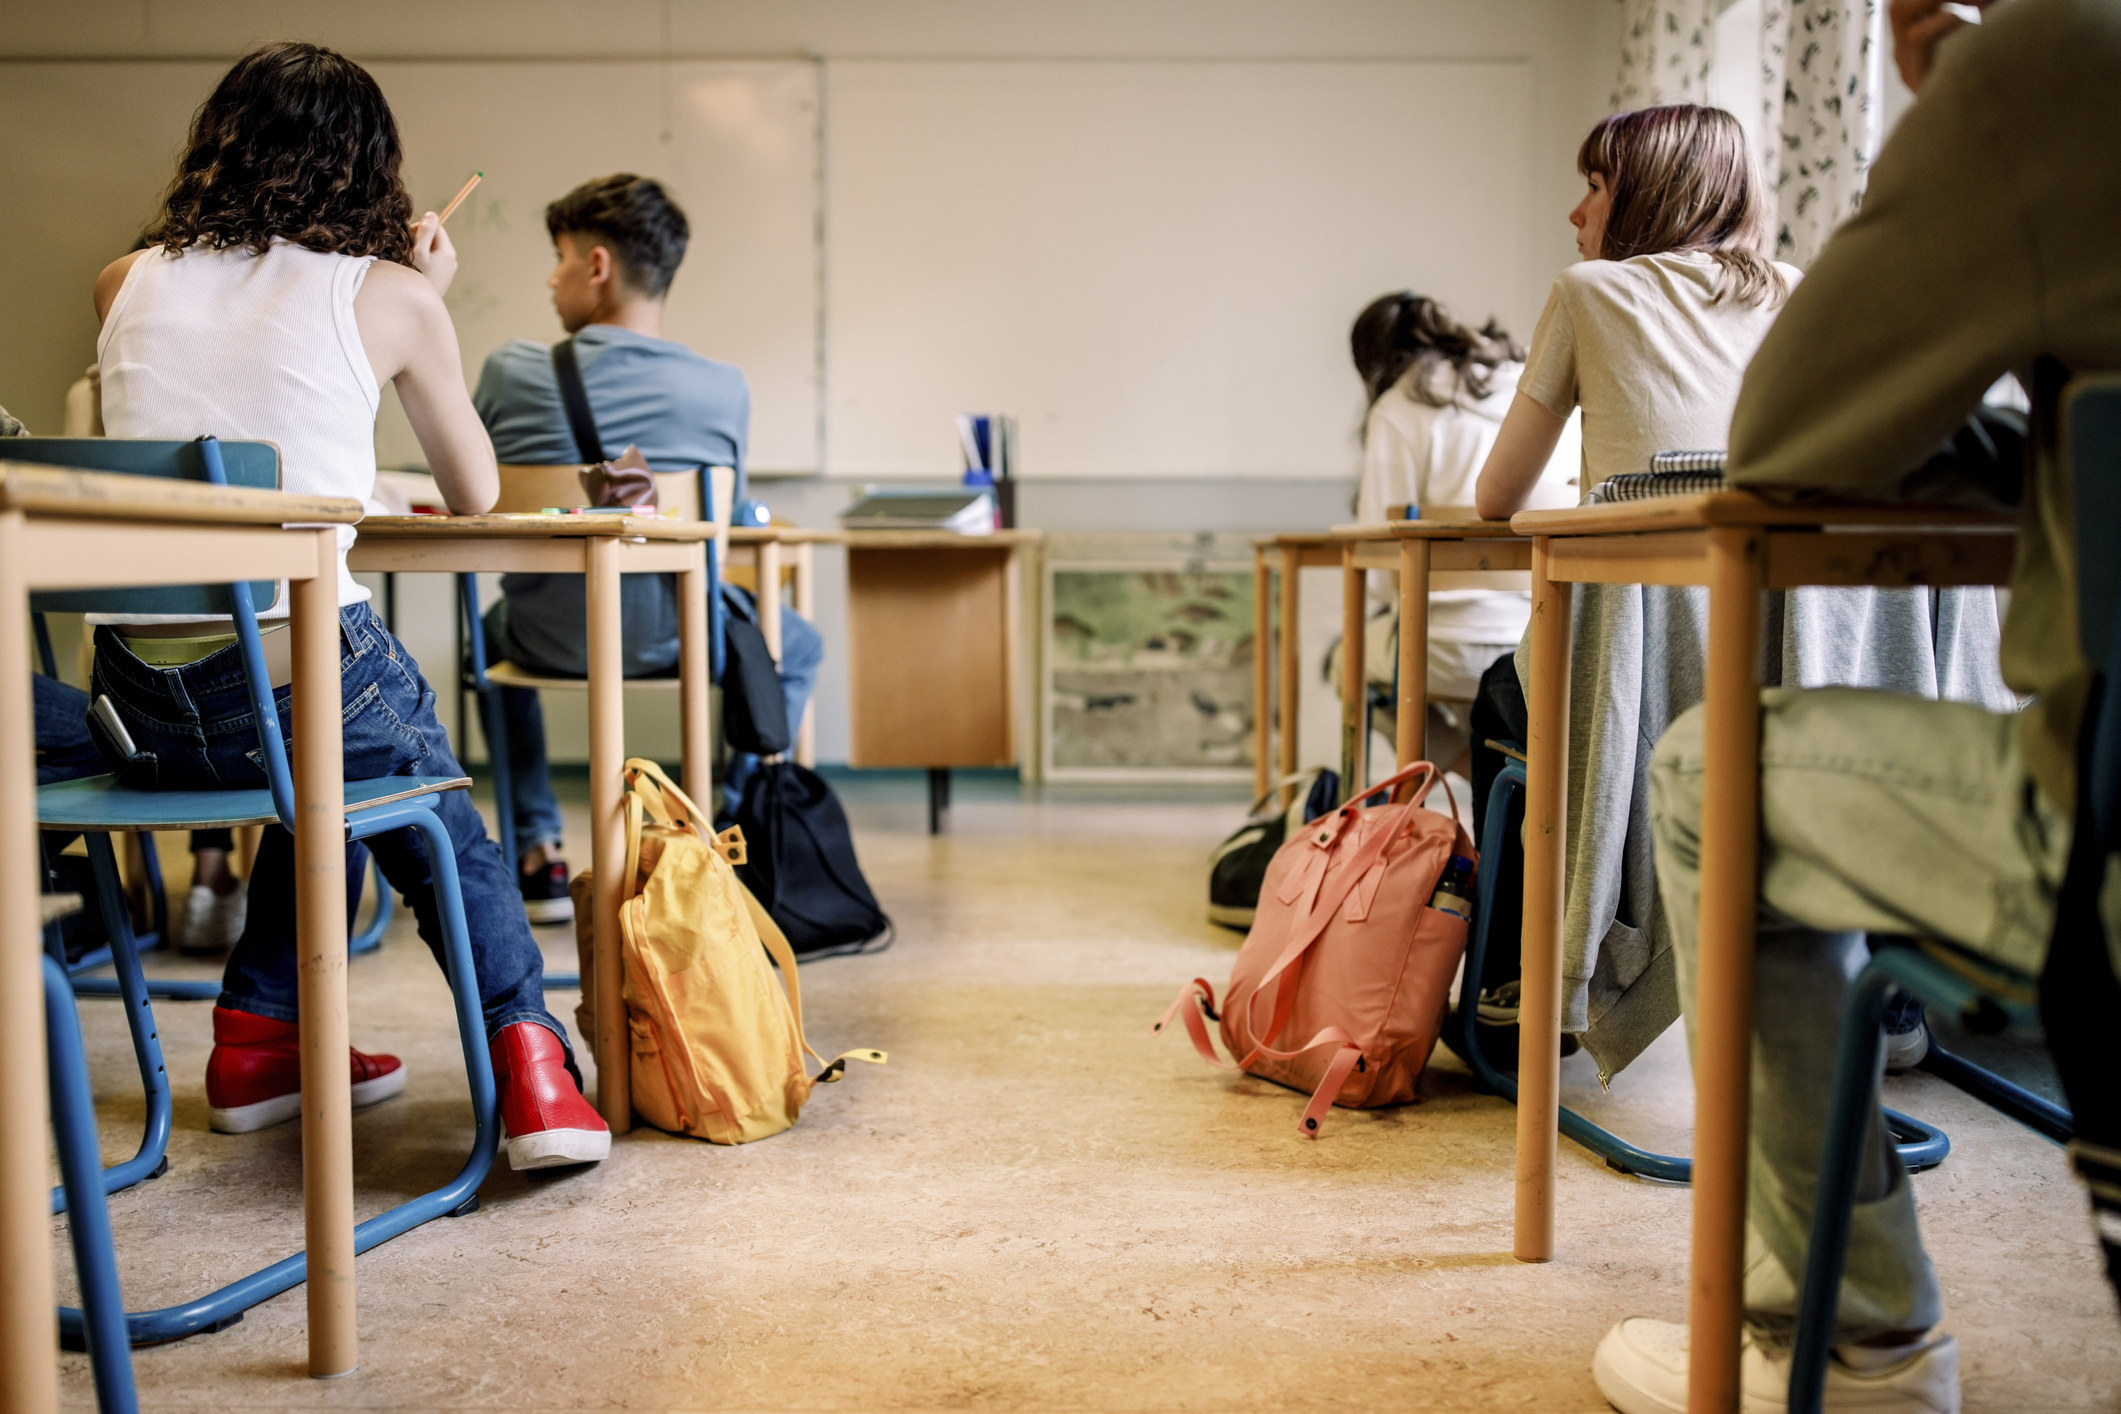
[1417, 453]
[1643, 347]
[249, 348]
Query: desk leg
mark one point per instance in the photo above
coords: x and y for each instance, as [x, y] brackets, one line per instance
[607, 830]
[769, 596]
[806, 605]
[1262, 674]
[1354, 709]
[1413, 707]
[1545, 851]
[694, 681]
[320, 904]
[29, 1329]
[1723, 1004]
[1291, 646]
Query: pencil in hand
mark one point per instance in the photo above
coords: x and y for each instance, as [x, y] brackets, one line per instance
[458, 199]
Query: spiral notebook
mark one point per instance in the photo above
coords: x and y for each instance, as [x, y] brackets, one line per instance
[1670, 474]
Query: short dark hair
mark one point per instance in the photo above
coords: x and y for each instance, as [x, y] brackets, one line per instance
[294, 142]
[635, 218]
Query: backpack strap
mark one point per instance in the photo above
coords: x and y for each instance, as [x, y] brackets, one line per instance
[1194, 998]
[1349, 1060]
[567, 372]
[783, 957]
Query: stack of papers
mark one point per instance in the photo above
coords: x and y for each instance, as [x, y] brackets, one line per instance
[961, 510]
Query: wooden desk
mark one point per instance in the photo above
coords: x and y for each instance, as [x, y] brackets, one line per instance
[1737, 545]
[600, 548]
[80, 530]
[764, 545]
[1417, 551]
[934, 646]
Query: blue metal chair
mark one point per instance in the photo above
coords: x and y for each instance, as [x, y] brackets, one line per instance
[1988, 996]
[98, 805]
[1922, 1146]
[95, 1264]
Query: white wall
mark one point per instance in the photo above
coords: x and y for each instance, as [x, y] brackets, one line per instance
[1563, 50]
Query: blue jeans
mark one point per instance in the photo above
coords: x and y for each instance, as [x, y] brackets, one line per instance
[198, 722]
[537, 813]
[65, 751]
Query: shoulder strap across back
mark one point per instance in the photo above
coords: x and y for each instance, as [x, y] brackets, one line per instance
[567, 370]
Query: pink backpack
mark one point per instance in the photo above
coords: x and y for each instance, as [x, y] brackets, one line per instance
[1347, 954]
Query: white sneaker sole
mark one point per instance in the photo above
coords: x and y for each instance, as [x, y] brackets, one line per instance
[247, 1119]
[557, 1148]
[1624, 1395]
[549, 910]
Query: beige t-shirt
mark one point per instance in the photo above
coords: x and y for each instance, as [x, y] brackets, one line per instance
[1647, 352]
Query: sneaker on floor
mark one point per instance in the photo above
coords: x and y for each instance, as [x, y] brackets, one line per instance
[212, 922]
[1907, 1034]
[254, 1076]
[545, 897]
[1498, 1026]
[549, 1124]
[1641, 1369]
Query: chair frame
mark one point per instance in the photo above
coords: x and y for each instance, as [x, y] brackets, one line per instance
[1922, 1146]
[225, 1306]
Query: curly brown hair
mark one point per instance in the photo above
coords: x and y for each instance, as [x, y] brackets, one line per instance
[295, 142]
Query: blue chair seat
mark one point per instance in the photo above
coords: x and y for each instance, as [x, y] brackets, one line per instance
[101, 803]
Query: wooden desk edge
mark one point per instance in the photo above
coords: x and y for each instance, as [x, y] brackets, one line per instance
[1714, 508]
[107, 495]
[896, 539]
[502, 527]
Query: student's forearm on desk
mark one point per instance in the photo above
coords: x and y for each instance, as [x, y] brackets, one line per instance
[1530, 432]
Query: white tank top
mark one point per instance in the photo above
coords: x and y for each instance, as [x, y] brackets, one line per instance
[249, 348]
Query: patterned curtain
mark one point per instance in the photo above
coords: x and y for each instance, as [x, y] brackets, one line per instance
[1665, 50]
[1821, 113]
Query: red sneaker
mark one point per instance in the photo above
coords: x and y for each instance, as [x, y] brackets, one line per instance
[549, 1123]
[254, 1076]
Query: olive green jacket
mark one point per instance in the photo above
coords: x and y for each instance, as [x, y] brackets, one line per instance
[1989, 241]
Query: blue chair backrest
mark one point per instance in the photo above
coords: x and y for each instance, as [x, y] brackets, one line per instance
[253, 464]
[2091, 443]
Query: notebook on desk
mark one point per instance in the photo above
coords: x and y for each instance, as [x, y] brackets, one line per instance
[1670, 474]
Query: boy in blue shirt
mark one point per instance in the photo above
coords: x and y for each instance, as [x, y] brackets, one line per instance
[618, 241]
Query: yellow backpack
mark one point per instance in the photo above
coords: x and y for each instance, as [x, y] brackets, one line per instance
[717, 1047]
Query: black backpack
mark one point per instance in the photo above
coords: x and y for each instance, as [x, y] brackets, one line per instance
[802, 866]
[1239, 864]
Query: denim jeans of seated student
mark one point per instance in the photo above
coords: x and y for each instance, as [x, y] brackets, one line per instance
[1880, 813]
[197, 720]
[537, 812]
[66, 752]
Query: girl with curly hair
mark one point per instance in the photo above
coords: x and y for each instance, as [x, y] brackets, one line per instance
[282, 284]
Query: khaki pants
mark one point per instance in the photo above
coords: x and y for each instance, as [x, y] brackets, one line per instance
[1879, 813]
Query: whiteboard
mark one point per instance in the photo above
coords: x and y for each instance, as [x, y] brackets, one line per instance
[1153, 265]
[91, 145]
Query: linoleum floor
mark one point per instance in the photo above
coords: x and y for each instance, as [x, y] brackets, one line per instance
[1037, 1205]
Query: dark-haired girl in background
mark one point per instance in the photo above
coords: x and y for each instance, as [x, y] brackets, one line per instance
[1438, 392]
[284, 282]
